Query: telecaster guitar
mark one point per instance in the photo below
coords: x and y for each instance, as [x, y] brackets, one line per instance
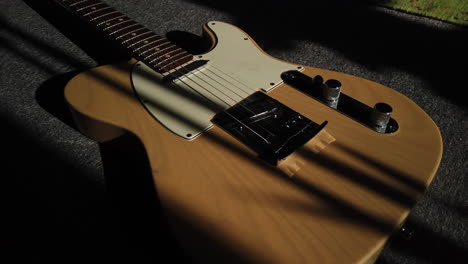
[276, 162]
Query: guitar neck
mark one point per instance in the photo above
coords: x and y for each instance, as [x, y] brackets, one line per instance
[148, 47]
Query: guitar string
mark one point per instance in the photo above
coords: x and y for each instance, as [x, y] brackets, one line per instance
[187, 75]
[202, 87]
[246, 92]
[187, 72]
[199, 70]
[236, 119]
[240, 97]
[241, 122]
[195, 90]
[212, 92]
[206, 89]
[246, 108]
[227, 87]
[214, 88]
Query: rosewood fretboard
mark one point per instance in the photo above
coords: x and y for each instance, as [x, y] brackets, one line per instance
[154, 50]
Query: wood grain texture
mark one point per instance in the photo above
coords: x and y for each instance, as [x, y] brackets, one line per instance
[225, 205]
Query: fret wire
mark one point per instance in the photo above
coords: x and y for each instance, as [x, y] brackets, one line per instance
[160, 51]
[145, 39]
[177, 53]
[133, 32]
[152, 48]
[161, 55]
[168, 56]
[174, 65]
[105, 8]
[107, 21]
[137, 36]
[150, 62]
[88, 6]
[79, 2]
[160, 48]
[149, 44]
[169, 61]
[184, 57]
[118, 23]
[96, 14]
[160, 60]
[126, 27]
[104, 15]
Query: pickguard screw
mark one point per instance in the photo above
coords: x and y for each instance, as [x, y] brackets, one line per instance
[406, 232]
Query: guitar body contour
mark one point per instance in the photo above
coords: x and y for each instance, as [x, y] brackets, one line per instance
[226, 205]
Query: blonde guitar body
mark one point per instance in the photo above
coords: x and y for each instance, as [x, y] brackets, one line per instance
[340, 207]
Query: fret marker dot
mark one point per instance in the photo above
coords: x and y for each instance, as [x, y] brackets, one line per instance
[120, 19]
[108, 24]
[156, 49]
[93, 8]
[133, 34]
[146, 42]
[168, 56]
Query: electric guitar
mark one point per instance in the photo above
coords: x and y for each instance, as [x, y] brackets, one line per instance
[275, 161]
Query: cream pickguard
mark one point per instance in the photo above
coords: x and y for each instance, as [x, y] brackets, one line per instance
[236, 68]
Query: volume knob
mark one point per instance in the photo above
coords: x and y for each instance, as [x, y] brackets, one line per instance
[380, 116]
[331, 92]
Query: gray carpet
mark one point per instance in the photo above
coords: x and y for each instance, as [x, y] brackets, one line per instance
[59, 205]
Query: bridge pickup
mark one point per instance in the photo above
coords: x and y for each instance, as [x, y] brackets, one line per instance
[268, 127]
[184, 70]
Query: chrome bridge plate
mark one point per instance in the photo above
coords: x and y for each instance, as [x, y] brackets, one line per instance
[268, 127]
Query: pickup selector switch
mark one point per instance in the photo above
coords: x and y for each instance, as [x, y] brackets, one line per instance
[380, 116]
[331, 92]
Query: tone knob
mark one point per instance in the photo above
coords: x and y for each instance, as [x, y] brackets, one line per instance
[380, 116]
[331, 92]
